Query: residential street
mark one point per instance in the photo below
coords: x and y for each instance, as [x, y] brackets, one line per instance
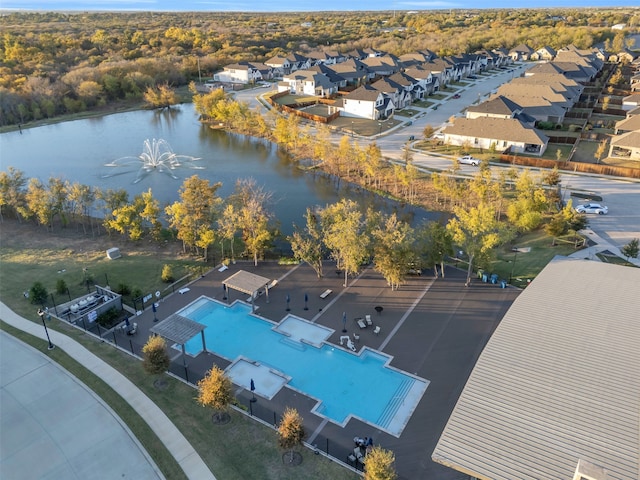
[622, 196]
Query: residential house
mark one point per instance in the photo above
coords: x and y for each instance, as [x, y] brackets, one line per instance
[411, 85]
[283, 65]
[635, 83]
[338, 80]
[554, 393]
[443, 71]
[521, 53]
[367, 102]
[400, 96]
[496, 133]
[308, 82]
[244, 72]
[425, 78]
[631, 101]
[626, 146]
[544, 53]
[629, 124]
[500, 107]
[353, 71]
[503, 58]
[326, 57]
[416, 58]
[382, 66]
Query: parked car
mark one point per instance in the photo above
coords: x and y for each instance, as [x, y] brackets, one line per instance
[469, 160]
[592, 208]
[456, 95]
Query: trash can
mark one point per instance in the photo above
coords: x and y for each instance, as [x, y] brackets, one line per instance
[503, 284]
[494, 278]
[480, 273]
[484, 277]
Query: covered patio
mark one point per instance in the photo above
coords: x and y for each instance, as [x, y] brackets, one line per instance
[248, 283]
[178, 329]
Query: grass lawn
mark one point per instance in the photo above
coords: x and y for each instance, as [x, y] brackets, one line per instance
[137, 270]
[525, 266]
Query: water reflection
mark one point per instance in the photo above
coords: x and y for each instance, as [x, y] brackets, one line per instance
[77, 151]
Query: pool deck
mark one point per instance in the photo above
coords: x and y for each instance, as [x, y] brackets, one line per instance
[433, 328]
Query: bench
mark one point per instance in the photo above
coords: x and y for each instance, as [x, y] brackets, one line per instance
[326, 293]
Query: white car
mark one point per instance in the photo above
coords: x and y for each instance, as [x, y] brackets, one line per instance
[469, 160]
[592, 208]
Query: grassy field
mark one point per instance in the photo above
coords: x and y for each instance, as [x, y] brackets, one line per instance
[523, 266]
[137, 270]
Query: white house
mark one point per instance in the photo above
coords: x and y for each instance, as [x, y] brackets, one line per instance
[367, 102]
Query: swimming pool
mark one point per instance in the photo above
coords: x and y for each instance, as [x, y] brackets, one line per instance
[345, 384]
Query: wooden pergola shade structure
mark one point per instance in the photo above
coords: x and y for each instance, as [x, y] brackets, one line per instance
[248, 283]
[179, 329]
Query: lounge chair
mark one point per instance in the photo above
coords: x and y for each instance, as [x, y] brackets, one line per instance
[361, 323]
[326, 293]
[351, 346]
[368, 318]
[376, 330]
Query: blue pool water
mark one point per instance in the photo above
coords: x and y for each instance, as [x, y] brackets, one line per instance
[345, 383]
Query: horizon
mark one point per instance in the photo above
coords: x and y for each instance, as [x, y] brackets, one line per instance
[290, 6]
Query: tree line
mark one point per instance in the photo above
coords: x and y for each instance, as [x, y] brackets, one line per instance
[56, 63]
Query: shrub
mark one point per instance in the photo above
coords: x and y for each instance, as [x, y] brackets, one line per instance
[167, 274]
[61, 287]
[38, 293]
[109, 318]
[123, 289]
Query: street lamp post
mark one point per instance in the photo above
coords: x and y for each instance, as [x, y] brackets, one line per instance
[513, 265]
[41, 314]
[380, 129]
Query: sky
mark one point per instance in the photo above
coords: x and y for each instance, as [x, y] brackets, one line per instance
[291, 5]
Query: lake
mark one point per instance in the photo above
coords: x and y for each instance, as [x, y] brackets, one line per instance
[80, 150]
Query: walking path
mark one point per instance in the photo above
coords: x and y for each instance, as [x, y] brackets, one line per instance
[599, 245]
[176, 443]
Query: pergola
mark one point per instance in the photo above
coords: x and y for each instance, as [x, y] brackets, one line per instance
[248, 283]
[180, 330]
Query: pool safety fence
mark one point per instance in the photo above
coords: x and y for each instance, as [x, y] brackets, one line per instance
[192, 369]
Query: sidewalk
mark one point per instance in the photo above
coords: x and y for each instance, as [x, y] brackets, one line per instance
[599, 245]
[176, 443]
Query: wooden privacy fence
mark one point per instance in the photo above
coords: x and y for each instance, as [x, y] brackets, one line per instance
[599, 169]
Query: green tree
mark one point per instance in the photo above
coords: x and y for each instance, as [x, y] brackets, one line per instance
[601, 151]
[161, 96]
[434, 243]
[155, 359]
[12, 193]
[477, 231]
[392, 249]
[307, 245]
[215, 391]
[345, 235]
[252, 216]
[379, 464]
[290, 431]
[38, 293]
[631, 249]
[193, 216]
[566, 221]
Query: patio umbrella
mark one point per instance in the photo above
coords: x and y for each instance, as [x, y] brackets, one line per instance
[306, 299]
[288, 300]
[344, 322]
[253, 387]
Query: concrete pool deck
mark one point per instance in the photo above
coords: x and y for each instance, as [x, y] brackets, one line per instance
[434, 329]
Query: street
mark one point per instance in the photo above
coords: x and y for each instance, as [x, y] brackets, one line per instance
[622, 196]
